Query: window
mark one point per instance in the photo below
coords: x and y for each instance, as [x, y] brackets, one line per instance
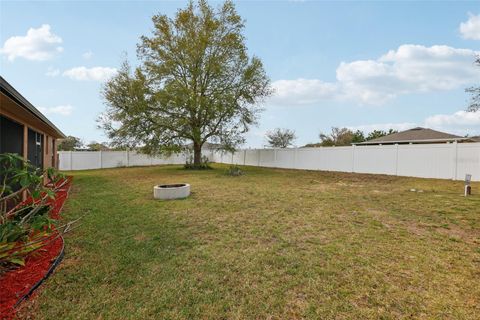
[53, 153]
[35, 148]
[11, 136]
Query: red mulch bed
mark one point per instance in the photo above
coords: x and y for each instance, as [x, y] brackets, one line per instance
[17, 283]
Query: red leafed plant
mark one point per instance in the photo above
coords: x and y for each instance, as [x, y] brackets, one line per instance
[25, 225]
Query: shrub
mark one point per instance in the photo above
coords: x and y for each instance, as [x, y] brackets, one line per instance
[234, 171]
[24, 225]
[204, 164]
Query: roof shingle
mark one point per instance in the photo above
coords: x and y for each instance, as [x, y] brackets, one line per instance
[415, 135]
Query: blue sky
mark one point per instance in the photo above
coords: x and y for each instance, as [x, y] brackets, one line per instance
[355, 64]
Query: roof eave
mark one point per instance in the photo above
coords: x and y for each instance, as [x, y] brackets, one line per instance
[411, 141]
[17, 97]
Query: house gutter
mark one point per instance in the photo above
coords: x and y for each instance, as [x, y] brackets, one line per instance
[412, 141]
[13, 94]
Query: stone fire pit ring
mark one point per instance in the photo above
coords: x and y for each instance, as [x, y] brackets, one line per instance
[171, 191]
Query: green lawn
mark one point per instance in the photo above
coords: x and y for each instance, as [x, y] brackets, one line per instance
[272, 244]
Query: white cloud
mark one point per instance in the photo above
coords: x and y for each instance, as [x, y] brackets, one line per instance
[301, 91]
[460, 122]
[52, 72]
[38, 44]
[90, 74]
[87, 55]
[470, 29]
[408, 69]
[63, 110]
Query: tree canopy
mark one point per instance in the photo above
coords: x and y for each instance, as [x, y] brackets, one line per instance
[474, 91]
[97, 146]
[280, 138]
[345, 137]
[70, 143]
[195, 83]
[375, 134]
[341, 137]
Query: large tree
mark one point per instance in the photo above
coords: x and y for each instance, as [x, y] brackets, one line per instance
[195, 82]
[280, 138]
[70, 143]
[375, 134]
[97, 146]
[474, 103]
[340, 137]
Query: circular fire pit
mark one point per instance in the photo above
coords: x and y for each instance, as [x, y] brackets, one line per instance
[171, 191]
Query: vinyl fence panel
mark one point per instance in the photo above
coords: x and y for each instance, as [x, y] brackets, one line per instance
[336, 159]
[82, 160]
[427, 161]
[285, 158]
[308, 158]
[114, 159]
[251, 157]
[375, 159]
[467, 161]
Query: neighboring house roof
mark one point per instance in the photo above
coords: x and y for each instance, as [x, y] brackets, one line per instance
[416, 135]
[7, 89]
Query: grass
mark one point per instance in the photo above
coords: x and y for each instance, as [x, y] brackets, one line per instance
[272, 244]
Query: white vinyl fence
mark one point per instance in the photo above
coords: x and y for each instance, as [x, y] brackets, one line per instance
[442, 161]
[83, 160]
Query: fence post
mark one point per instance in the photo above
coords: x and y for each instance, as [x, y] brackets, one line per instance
[100, 158]
[126, 158]
[295, 155]
[396, 159]
[318, 165]
[455, 158]
[232, 158]
[244, 156]
[258, 157]
[71, 161]
[353, 157]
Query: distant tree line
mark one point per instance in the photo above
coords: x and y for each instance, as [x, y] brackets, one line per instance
[72, 143]
[346, 137]
[283, 138]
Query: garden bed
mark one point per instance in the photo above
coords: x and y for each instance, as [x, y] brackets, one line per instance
[19, 284]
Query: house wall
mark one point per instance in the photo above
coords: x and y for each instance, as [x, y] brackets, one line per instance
[15, 113]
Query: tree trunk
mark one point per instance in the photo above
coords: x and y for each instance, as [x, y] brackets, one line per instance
[197, 154]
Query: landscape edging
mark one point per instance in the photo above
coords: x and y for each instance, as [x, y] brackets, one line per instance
[52, 268]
